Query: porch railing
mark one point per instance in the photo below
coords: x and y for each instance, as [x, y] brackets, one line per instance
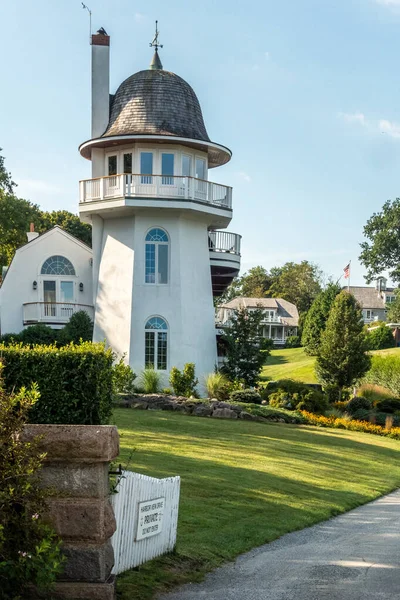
[53, 312]
[155, 186]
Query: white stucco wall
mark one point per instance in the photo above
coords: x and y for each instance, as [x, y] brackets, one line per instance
[125, 302]
[100, 89]
[25, 268]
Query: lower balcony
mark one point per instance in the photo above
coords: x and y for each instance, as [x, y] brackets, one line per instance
[53, 313]
[224, 250]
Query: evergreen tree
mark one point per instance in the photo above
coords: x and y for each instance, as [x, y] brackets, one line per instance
[393, 315]
[342, 356]
[316, 318]
[246, 348]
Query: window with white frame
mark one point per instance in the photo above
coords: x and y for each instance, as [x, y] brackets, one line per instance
[167, 168]
[57, 265]
[369, 314]
[112, 164]
[200, 168]
[156, 344]
[146, 167]
[156, 256]
[186, 165]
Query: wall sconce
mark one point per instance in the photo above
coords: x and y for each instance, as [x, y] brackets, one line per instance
[81, 287]
[34, 285]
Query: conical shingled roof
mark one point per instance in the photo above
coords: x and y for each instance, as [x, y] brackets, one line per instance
[156, 102]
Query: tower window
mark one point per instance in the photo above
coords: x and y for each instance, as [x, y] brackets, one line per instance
[186, 165]
[156, 347]
[112, 165]
[167, 168]
[128, 163]
[146, 167]
[200, 168]
[156, 256]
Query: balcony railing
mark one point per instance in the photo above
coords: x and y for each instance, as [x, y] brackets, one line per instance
[155, 186]
[53, 312]
[223, 241]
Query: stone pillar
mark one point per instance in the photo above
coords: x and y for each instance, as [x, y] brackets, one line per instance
[76, 468]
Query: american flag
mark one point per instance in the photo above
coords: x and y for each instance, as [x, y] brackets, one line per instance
[347, 271]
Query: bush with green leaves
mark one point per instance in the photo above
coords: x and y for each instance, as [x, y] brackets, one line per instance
[150, 381]
[358, 403]
[380, 337]
[385, 372]
[388, 405]
[293, 341]
[38, 334]
[30, 551]
[79, 327]
[123, 378]
[218, 386]
[294, 395]
[248, 396]
[184, 382]
[75, 381]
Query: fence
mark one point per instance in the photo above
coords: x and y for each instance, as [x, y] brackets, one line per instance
[146, 512]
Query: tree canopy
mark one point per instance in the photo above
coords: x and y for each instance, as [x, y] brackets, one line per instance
[381, 251]
[299, 283]
[316, 318]
[16, 214]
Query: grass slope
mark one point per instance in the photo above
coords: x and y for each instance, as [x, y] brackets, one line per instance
[245, 484]
[290, 363]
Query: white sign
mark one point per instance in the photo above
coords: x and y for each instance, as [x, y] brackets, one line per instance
[150, 518]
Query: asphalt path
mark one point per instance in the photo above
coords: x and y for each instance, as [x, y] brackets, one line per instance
[355, 556]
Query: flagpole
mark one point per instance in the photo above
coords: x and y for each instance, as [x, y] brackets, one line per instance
[348, 282]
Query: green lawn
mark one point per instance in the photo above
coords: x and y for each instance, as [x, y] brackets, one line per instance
[244, 484]
[290, 363]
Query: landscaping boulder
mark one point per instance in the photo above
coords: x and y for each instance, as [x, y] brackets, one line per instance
[201, 410]
[225, 413]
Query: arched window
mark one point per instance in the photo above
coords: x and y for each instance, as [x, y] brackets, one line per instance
[156, 248]
[57, 265]
[156, 332]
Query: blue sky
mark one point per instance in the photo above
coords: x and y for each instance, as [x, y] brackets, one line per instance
[304, 92]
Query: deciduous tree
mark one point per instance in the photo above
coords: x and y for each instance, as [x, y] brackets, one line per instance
[299, 283]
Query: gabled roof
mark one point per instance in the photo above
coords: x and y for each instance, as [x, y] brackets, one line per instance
[286, 310]
[369, 297]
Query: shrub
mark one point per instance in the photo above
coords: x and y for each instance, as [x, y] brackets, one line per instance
[123, 378]
[357, 403]
[38, 334]
[375, 393]
[29, 549]
[351, 424]
[218, 386]
[167, 391]
[184, 382]
[75, 382]
[385, 372]
[293, 341]
[362, 414]
[282, 399]
[340, 405]
[79, 327]
[150, 381]
[313, 401]
[306, 399]
[380, 337]
[248, 396]
[388, 405]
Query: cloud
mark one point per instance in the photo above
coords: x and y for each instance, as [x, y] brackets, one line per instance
[140, 17]
[356, 117]
[379, 126]
[245, 176]
[389, 2]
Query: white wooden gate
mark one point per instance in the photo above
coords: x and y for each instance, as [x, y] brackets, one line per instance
[133, 489]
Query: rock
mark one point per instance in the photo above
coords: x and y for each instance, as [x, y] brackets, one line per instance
[140, 405]
[202, 410]
[247, 416]
[224, 413]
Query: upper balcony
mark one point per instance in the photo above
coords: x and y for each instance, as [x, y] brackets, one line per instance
[53, 313]
[155, 191]
[224, 250]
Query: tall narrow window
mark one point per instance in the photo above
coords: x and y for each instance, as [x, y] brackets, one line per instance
[112, 165]
[156, 344]
[186, 165]
[146, 167]
[128, 163]
[156, 256]
[167, 169]
[200, 168]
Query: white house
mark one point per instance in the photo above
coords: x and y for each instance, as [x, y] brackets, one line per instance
[157, 255]
[48, 280]
[281, 318]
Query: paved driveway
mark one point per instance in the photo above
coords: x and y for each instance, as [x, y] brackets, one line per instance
[352, 557]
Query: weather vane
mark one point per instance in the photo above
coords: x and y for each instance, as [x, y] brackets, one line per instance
[154, 43]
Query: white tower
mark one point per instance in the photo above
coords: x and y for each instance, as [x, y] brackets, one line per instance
[157, 257]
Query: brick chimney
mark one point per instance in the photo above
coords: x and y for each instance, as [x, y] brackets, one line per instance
[100, 82]
[32, 234]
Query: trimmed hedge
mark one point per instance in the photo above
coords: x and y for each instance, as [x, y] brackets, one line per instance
[247, 396]
[75, 382]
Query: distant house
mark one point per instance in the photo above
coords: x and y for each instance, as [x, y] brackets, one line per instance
[48, 280]
[280, 321]
[373, 300]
